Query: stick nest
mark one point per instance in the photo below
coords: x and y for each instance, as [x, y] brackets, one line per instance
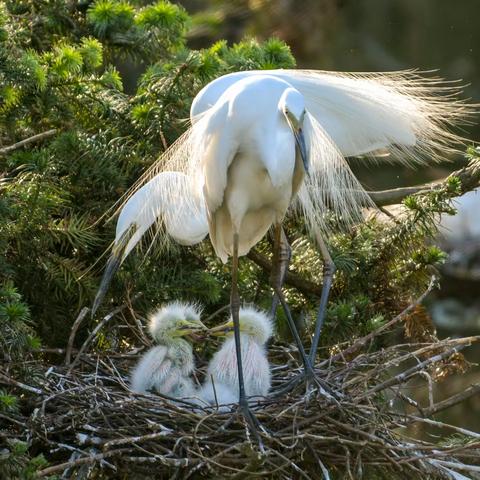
[86, 422]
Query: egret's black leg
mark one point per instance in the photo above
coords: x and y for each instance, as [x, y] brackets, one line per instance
[282, 254]
[328, 272]
[235, 309]
[281, 260]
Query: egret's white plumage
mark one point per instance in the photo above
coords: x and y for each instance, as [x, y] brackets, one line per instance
[256, 329]
[347, 114]
[167, 367]
[365, 112]
[183, 218]
[249, 168]
[217, 395]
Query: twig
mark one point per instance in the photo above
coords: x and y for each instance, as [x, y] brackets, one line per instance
[23, 386]
[26, 141]
[453, 400]
[469, 177]
[81, 461]
[71, 339]
[139, 438]
[463, 431]
[301, 284]
[402, 377]
[105, 320]
[363, 340]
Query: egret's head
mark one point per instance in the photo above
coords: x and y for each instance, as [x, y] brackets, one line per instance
[253, 322]
[292, 104]
[175, 320]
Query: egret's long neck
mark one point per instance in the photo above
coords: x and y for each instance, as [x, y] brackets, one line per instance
[275, 143]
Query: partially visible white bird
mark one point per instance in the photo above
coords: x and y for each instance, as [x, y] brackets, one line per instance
[167, 367]
[221, 381]
[159, 202]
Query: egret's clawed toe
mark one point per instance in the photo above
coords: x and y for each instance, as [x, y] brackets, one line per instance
[253, 424]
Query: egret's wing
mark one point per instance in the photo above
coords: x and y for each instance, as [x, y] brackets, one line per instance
[219, 149]
[368, 112]
[169, 201]
[364, 112]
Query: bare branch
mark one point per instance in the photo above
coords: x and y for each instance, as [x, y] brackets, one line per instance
[35, 138]
[469, 177]
[75, 326]
[294, 280]
[105, 320]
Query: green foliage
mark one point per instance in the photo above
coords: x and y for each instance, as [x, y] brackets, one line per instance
[57, 72]
[8, 403]
[17, 464]
[382, 265]
[17, 337]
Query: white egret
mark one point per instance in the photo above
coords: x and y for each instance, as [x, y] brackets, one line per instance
[254, 134]
[183, 218]
[167, 367]
[221, 381]
[352, 114]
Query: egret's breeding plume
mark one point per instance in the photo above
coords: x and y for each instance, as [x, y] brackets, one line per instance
[264, 140]
[221, 381]
[167, 367]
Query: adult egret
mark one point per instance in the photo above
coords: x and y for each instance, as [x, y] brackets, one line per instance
[254, 134]
[353, 114]
[167, 367]
[221, 382]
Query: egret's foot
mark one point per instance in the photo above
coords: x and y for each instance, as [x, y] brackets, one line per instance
[289, 385]
[253, 424]
[312, 384]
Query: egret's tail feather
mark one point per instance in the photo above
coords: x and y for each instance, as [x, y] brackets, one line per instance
[409, 115]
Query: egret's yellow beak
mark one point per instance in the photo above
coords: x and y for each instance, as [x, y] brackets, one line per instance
[297, 131]
[222, 330]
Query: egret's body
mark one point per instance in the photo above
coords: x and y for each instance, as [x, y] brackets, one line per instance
[250, 168]
[221, 381]
[167, 367]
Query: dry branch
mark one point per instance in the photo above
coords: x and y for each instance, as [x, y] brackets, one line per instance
[469, 177]
[35, 138]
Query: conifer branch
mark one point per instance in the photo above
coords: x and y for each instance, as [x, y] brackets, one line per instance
[469, 177]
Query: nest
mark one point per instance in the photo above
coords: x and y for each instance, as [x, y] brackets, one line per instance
[85, 421]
